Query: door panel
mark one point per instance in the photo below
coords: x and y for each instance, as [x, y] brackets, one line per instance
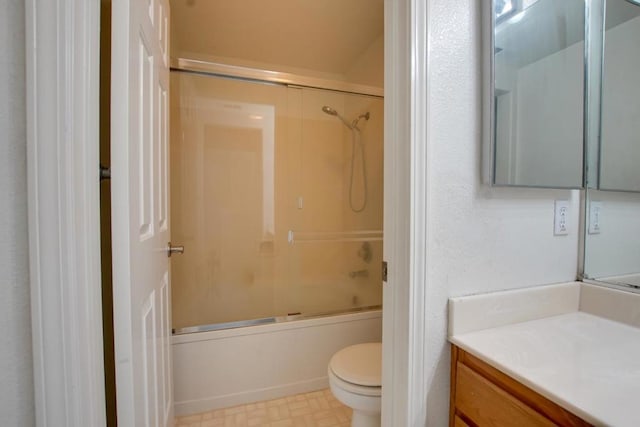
[140, 200]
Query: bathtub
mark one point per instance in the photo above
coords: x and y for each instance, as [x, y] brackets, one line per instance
[223, 368]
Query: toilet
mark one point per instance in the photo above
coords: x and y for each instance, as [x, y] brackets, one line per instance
[355, 379]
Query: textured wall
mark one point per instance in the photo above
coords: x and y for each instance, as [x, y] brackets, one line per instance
[481, 239]
[16, 378]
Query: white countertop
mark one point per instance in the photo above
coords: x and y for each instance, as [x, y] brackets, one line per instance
[586, 363]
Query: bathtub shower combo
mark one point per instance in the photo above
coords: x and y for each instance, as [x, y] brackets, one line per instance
[276, 195]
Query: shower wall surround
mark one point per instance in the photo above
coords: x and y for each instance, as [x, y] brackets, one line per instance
[260, 181]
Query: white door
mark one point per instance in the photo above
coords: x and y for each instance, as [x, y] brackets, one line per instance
[140, 214]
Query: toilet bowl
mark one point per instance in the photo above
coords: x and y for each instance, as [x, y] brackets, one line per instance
[355, 374]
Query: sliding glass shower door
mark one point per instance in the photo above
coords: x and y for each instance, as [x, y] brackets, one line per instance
[260, 183]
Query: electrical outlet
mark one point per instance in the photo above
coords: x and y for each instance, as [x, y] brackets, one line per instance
[561, 218]
[595, 217]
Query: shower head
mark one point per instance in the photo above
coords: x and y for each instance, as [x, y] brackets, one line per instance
[353, 125]
[330, 111]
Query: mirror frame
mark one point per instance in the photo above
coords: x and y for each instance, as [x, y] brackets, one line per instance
[488, 104]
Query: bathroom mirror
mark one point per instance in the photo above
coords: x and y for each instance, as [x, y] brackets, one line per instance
[612, 246]
[619, 154]
[534, 93]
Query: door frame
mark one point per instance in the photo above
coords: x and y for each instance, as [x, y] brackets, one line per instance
[62, 81]
[406, 191]
[62, 51]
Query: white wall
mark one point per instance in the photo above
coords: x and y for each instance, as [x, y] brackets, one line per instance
[16, 377]
[481, 239]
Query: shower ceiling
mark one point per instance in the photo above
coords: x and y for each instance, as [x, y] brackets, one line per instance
[321, 35]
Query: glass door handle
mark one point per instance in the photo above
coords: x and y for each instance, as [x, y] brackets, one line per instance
[174, 249]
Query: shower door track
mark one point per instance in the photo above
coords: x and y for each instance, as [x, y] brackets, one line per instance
[271, 77]
[270, 320]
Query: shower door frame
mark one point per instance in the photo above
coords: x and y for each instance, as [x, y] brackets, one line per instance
[221, 71]
[52, 48]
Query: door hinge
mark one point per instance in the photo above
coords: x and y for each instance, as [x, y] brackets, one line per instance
[105, 172]
[385, 271]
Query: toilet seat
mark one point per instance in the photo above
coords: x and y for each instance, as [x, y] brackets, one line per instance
[358, 369]
[361, 390]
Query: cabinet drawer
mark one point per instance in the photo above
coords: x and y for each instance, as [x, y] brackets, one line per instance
[485, 404]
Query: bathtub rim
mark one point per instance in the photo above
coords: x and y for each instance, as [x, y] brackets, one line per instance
[308, 322]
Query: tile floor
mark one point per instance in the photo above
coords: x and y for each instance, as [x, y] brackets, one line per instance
[314, 409]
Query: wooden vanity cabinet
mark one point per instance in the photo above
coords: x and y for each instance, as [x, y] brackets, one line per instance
[483, 396]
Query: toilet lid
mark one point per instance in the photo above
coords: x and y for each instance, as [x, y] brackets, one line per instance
[359, 364]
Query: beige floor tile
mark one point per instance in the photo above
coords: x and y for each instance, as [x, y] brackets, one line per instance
[273, 413]
[343, 415]
[189, 419]
[322, 414]
[299, 404]
[213, 422]
[215, 414]
[257, 421]
[315, 394]
[257, 413]
[313, 409]
[313, 403]
[329, 422]
[241, 420]
[277, 402]
[235, 410]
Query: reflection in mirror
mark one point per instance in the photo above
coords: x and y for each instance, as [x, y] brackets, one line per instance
[538, 92]
[612, 243]
[620, 132]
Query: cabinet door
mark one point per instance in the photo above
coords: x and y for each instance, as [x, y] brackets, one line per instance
[486, 404]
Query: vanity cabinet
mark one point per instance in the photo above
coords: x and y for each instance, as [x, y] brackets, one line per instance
[483, 396]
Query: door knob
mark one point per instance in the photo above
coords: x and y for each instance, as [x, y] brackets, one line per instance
[174, 249]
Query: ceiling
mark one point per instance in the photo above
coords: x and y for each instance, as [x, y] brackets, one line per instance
[320, 35]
